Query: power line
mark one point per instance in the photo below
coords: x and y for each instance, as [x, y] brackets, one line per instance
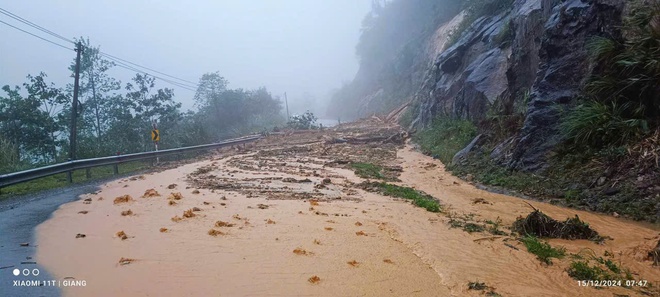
[182, 83]
[160, 78]
[31, 24]
[44, 39]
[129, 62]
[118, 63]
[126, 66]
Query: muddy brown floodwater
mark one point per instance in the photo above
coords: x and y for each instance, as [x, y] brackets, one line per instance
[284, 217]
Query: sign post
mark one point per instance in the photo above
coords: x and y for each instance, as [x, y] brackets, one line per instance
[155, 137]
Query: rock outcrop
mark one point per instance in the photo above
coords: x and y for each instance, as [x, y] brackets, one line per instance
[564, 67]
[532, 55]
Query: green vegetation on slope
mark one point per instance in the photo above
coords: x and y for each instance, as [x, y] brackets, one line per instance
[620, 103]
[445, 137]
[568, 180]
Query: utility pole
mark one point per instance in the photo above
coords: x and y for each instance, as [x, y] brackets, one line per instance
[287, 107]
[74, 111]
[96, 106]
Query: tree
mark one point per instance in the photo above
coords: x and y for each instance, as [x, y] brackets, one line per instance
[34, 128]
[120, 135]
[97, 87]
[305, 121]
[189, 130]
[150, 106]
[210, 86]
[26, 126]
[51, 100]
[225, 113]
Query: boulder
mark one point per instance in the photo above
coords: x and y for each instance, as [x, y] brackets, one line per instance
[462, 154]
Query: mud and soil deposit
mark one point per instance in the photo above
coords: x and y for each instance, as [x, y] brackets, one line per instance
[280, 218]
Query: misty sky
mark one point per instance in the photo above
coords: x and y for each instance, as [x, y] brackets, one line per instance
[295, 46]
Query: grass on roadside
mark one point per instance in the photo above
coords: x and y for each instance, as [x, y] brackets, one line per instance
[59, 180]
[447, 136]
[418, 198]
[609, 264]
[581, 270]
[543, 251]
[368, 170]
[486, 171]
[603, 269]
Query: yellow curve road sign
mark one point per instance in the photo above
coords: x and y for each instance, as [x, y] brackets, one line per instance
[155, 135]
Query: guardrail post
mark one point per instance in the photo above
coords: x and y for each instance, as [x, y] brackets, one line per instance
[69, 174]
[115, 167]
[88, 173]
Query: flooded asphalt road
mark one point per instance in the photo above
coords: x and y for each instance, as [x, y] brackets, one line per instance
[18, 218]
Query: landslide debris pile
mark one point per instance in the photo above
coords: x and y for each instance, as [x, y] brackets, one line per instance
[299, 165]
[541, 225]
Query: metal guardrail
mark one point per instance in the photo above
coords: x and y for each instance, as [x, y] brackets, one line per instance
[30, 174]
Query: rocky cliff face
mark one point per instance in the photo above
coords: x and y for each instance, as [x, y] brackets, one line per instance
[531, 57]
[563, 69]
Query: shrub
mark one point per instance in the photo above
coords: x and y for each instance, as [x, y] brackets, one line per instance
[8, 158]
[597, 124]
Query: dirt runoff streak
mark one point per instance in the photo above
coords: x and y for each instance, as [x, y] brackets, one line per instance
[285, 223]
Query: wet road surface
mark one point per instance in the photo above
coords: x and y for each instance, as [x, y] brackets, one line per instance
[18, 218]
